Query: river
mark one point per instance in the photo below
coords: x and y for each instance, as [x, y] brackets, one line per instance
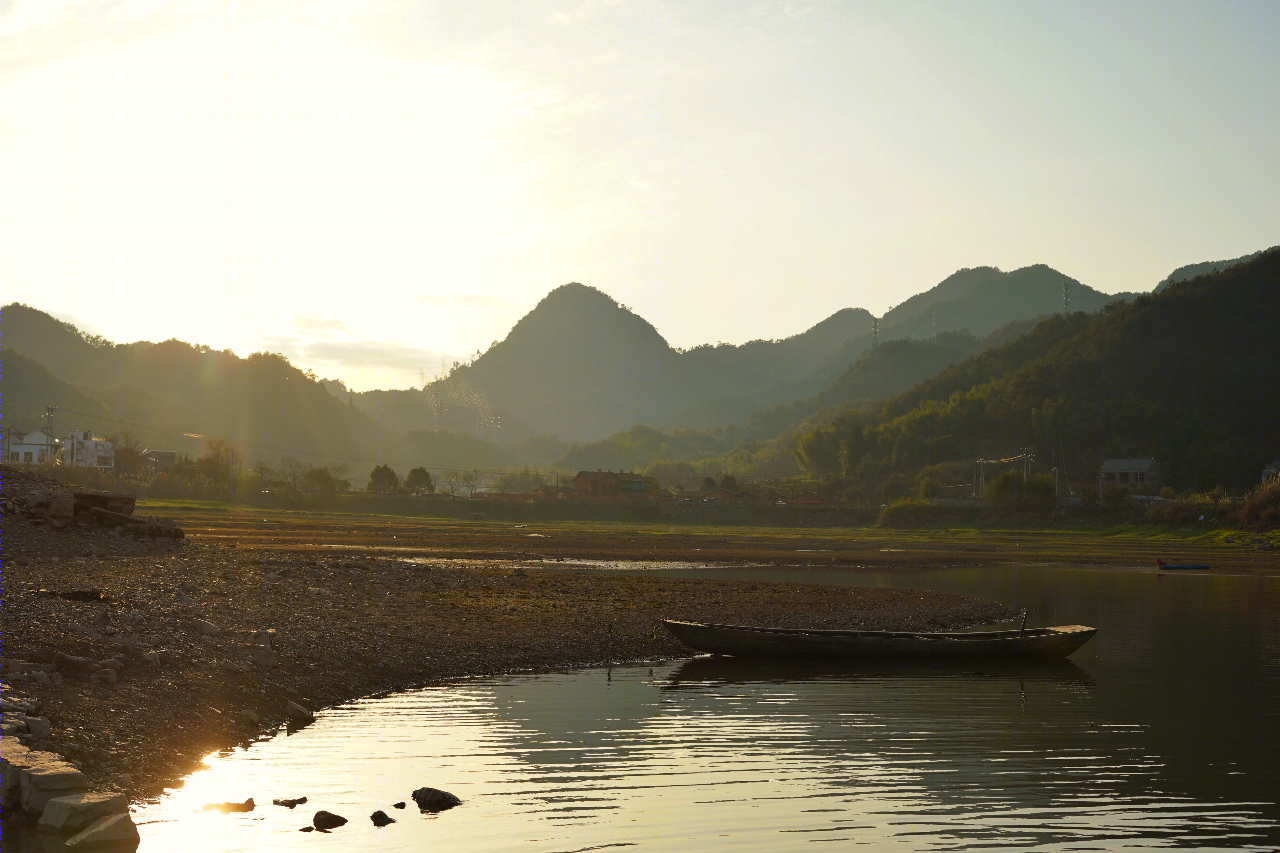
[1163, 731]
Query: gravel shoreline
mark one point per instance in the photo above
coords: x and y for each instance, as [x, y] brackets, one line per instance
[216, 641]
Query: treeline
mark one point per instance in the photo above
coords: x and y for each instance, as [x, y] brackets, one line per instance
[1187, 377]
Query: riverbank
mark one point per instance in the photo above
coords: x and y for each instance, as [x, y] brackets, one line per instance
[215, 640]
[216, 634]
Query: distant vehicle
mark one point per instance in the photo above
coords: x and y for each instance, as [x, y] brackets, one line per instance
[711, 500]
[779, 503]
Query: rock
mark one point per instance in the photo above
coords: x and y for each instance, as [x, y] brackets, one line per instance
[298, 715]
[116, 829]
[38, 727]
[112, 663]
[381, 818]
[307, 829]
[435, 800]
[76, 811]
[289, 803]
[72, 665]
[327, 820]
[41, 677]
[106, 675]
[152, 658]
[206, 627]
[62, 506]
[226, 808]
[43, 776]
[249, 718]
[86, 632]
[397, 805]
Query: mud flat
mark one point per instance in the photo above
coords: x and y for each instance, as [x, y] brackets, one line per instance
[210, 642]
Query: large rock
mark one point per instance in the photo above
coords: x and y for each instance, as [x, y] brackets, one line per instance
[62, 505]
[435, 800]
[327, 820]
[116, 831]
[77, 811]
[45, 778]
[381, 818]
[298, 715]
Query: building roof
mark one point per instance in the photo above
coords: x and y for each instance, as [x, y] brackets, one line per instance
[1111, 466]
[625, 476]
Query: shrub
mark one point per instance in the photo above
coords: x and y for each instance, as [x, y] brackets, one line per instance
[1009, 489]
[907, 512]
[1261, 508]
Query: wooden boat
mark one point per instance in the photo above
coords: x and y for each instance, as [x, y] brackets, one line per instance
[804, 643]
[1163, 566]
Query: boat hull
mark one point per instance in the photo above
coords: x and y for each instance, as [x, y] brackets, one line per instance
[799, 643]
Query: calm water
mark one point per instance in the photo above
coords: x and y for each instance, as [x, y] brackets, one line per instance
[1164, 731]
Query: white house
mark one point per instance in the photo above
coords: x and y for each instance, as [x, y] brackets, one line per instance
[81, 450]
[28, 448]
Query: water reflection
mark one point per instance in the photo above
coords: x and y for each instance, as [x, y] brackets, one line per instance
[1158, 733]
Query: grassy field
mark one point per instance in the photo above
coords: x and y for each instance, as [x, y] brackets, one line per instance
[1120, 545]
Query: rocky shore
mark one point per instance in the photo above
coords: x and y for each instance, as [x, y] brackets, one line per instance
[131, 657]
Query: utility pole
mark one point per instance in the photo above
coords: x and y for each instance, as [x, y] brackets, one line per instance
[875, 332]
[1066, 298]
[48, 434]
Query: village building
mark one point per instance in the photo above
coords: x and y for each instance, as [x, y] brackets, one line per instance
[596, 485]
[28, 448]
[157, 460]
[81, 450]
[1129, 474]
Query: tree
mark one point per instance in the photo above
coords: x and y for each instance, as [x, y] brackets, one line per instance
[470, 480]
[729, 482]
[293, 469]
[1010, 489]
[451, 479]
[383, 480]
[708, 484]
[220, 460]
[320, 480]
[128, 456]
[419, 481]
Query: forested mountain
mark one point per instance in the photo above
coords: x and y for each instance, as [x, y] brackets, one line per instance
[173, 395]
[580, 365]
[1204, 268]
[1187, 377]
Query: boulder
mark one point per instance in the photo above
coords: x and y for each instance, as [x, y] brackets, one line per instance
[116, 830]
[62, 505]
[298, 715]
[72, 665]
[435, 800]
[76, 811]
[46, 776]
[381, 818]
[324, 820]
[227, 808]
[397, 805]
[206, 627]
[38, 727]
[289, 803]
[106, 675]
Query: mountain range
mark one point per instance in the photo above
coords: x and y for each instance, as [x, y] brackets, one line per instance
[578, 368]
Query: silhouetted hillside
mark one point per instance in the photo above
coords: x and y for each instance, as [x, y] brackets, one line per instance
[29, 388]
[1187, 377]
[170, 391]
[1192, 270]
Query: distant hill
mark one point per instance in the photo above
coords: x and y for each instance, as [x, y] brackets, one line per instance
[1186, 376]
[168, 392]
[581, 366]
[1190, 271]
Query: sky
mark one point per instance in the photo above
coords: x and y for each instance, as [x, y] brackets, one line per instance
[376, 187]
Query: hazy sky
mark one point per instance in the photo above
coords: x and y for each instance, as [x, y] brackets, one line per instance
[364, 185]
